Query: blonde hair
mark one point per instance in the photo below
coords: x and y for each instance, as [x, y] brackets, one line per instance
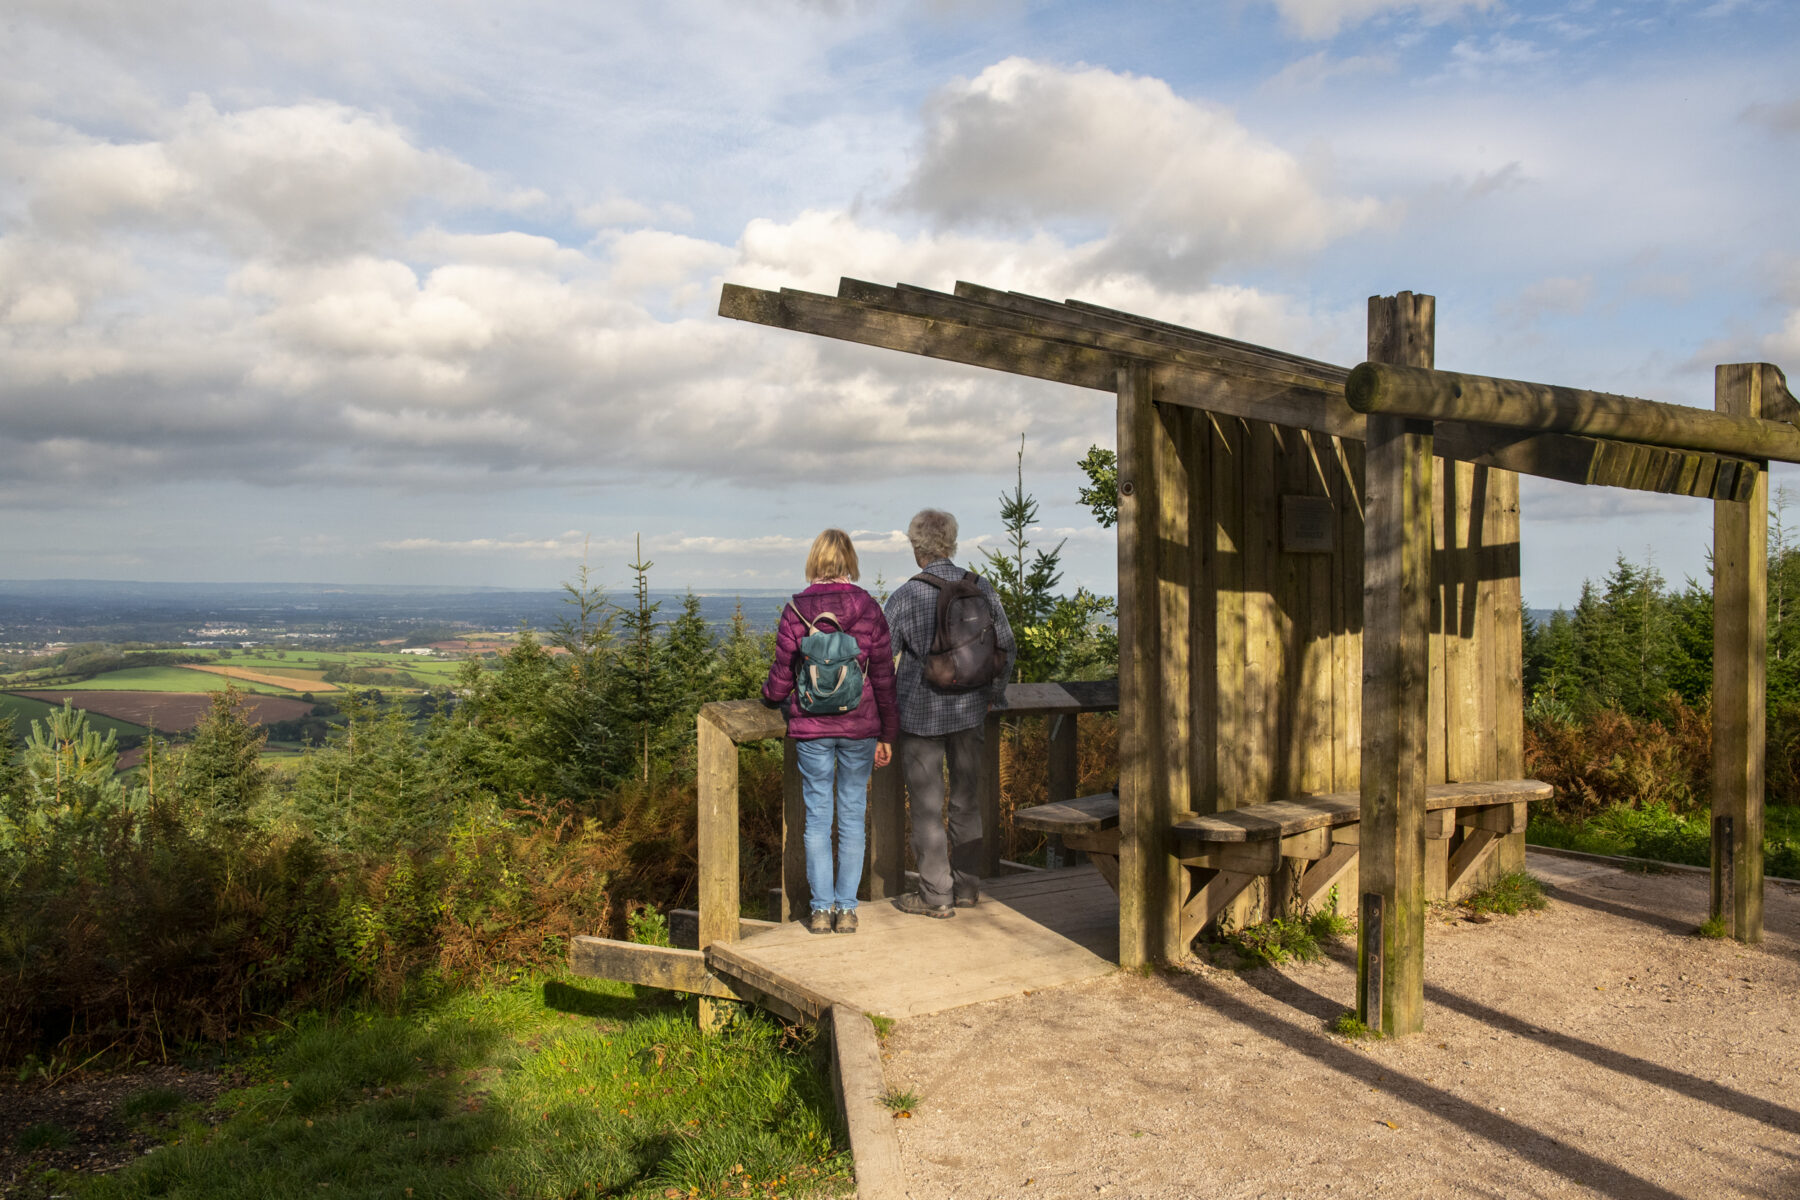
[831, 557]
[932, 534]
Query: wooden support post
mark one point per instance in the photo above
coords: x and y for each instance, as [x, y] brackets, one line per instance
[718, 847]
[1740, 634]
[1396, 669]
[1064, 769]
[1150, 894]
[886, 863]
[992, 836]
[795, 896]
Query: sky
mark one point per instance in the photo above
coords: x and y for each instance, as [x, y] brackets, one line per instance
[426, 292]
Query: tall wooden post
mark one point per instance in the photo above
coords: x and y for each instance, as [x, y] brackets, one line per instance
[1740, 666]
[885, 867]
[718, 838]
[1397, 552]
[1149, 875]
[988, 798]
[795, 898]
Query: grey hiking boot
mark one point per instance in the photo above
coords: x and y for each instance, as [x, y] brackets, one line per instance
[968, 899]
[914, 904]
[846, 920]
[820, 921]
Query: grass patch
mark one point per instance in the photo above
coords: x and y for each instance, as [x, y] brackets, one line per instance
[1348, 1024]
[1660, 833]
[151, 1102]
[1712, 927]
[46, 1135]
[884, 1026]
[574, 1089]
[157, 679]
[1513, 893]
[901, 1101]
[1276, 941]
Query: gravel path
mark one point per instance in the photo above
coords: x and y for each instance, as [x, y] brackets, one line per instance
[1597, 1048]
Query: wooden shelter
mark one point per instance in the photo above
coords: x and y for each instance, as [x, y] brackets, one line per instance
[1319, 607]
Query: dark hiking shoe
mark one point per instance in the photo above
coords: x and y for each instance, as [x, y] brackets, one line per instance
[846, 921]
[914, 904]
[820, 921]
[968, 899]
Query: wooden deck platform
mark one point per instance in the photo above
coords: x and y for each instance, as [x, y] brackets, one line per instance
[1032, 930]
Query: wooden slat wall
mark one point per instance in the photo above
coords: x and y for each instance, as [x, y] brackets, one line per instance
[1276, 638]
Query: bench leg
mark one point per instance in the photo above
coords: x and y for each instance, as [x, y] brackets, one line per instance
[1216, 890]
[1324, 872]
[1108, 866]
[1477, 845]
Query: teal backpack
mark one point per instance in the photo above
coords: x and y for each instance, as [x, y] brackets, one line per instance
[830, 675]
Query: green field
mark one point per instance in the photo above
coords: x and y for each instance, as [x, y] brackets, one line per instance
[426, 670]
[164, 679]
[25, 710]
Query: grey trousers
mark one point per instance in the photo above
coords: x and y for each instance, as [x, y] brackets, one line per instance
[948, 863]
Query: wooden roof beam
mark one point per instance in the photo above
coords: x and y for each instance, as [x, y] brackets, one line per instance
[1026, 339]
[1448, 395]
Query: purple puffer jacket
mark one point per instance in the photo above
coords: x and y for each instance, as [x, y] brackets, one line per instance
[877, 716]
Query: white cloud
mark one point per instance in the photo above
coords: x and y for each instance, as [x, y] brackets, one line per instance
[1167, 187]
[303, 180]
[1317, 19]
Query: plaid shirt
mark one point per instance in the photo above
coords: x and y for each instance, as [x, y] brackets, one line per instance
[912, 623]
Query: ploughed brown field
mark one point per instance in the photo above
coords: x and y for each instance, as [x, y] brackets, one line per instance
[303, 681]
[171, 712]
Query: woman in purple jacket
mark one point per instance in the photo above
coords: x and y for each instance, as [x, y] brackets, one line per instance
[845, 745]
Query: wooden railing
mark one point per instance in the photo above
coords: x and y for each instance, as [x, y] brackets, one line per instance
[726, 725]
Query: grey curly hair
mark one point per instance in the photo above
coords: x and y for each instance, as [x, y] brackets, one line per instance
[932, 534]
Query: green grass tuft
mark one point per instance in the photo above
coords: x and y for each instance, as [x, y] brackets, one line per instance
[901, 1101]
[884, 1026]
[1512, 893]
[1348, 1024]
[1712, 927]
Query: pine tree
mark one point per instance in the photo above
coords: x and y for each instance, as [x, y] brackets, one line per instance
[641, 692]
[743, 659]
[587, 757]
[221, 771]
[1059, 637]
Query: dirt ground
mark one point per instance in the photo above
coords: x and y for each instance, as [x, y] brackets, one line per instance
[1596, 1049]
[97, 1136]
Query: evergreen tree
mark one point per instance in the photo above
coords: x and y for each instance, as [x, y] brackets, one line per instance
[580, 724]
[221, 771]
[1059, 637]
[11, 769]
[743, 660]
[641, 692]
[691, 656]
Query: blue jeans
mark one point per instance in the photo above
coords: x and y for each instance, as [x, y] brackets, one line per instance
[851, 760]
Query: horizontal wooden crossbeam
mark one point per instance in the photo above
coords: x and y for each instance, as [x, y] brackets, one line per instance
[1085, 345]
[1428, 394]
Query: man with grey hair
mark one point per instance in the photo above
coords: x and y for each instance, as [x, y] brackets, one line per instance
[941, 726]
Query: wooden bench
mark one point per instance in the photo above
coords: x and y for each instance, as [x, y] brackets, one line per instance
[1308, 841]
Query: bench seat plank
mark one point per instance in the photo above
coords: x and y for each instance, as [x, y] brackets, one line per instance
[1089, 814]
[1284, 818]
[1278, 818]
